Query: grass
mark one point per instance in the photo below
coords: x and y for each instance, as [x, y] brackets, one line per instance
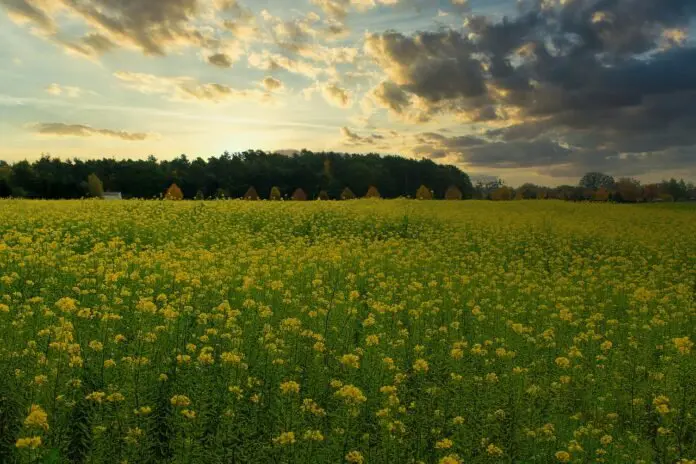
[360, 332]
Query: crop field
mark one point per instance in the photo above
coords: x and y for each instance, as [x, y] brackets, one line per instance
[383, 331]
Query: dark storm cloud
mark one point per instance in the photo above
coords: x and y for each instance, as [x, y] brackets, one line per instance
[594, 76]
[522, 154]
[479, 152]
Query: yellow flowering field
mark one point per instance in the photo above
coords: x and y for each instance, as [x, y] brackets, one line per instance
[347, 332]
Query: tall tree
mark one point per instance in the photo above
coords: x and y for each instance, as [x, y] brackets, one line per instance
[596, 180]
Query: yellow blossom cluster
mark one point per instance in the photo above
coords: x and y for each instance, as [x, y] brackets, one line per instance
[358, 332]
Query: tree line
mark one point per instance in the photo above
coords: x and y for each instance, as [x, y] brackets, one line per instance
[318, 175]
[304, 175]
[593, 186]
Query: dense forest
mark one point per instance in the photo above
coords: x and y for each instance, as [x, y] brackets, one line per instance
[259, 174]
[232, 175]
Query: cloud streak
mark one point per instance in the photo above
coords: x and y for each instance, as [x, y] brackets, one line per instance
[81, 130]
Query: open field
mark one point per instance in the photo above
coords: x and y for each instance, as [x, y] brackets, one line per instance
[360, 332]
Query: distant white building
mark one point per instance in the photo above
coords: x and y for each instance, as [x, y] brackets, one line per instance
[112, 196]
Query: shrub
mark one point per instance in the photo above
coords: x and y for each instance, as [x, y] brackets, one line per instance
[95, 186]
[299, 195]
[174, 193]
[372, 192]
[347, 194]
[251, 194]
[453, 193]
[275, 194]
[424, 193]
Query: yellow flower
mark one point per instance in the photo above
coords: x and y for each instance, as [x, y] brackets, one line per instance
[661, 404]
[206, 358]
[289, 387]
[562, 456]
[372, 340]
[142, 411]
[189, 414]
[355, 457]
[683, 345]
[66, 304]
[606, 346]
[96, 346]
[37, 418]
[420, 365]
[285, 438]
[180, 401]
[231, 358]
[562, 362]
[351, 394]
[336, 383]
[97, 397]
[115, 398]
[310, 406]
[350, 360]
[445, 443]
[29, 442]
[388, 389]
[450, 459]
[493, 450]
[313, 435]
[606, 439]
[133, 435]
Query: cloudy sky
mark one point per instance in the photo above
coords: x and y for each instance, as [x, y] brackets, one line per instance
[531, 90]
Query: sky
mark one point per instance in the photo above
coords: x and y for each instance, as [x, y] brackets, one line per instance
[530, 91]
